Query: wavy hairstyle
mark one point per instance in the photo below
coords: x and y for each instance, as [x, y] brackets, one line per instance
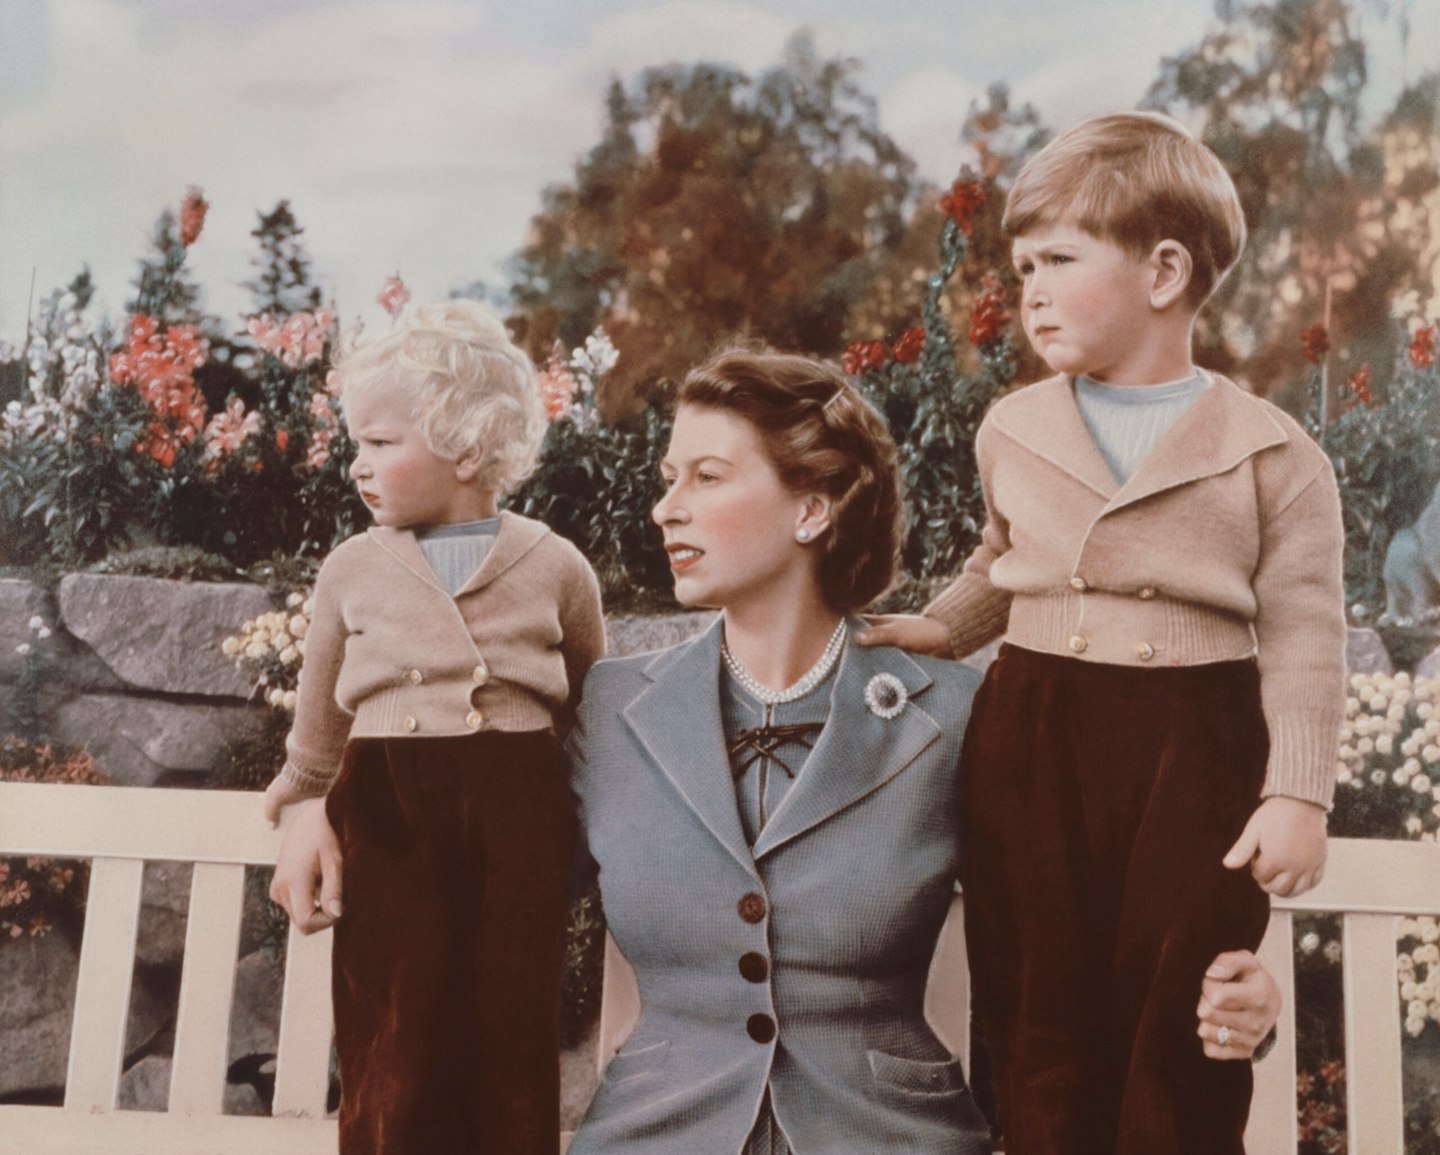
[470, 385]
[822, 437]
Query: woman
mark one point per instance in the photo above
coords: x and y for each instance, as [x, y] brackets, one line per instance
[774, 811]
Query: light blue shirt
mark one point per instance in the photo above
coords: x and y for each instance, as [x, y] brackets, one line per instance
[1127, 421]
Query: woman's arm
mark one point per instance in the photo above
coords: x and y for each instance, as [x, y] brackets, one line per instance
[1240, 997]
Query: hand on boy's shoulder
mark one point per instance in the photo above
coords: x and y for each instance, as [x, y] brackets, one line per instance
[913, 632]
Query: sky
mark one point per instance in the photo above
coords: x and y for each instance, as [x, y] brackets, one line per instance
[416, 136]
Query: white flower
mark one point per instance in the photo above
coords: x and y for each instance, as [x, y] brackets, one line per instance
[37, 622]
[230, 647]
[1413, 825]
[291, 697]
[23, 648]
[294, 600]
[43, 632]
[1310, 943]
[1332, 951]
[1414, 1027]
[289, 655]
[298, 626]
[1377, 777]
[886, 696]
[1384, 744]
[1420, 784]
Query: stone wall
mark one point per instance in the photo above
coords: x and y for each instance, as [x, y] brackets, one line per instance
[134, 673]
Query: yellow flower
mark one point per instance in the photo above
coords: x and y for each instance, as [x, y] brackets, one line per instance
[298, 626]
[230, 647]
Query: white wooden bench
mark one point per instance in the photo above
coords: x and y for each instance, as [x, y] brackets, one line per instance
[1371, 883]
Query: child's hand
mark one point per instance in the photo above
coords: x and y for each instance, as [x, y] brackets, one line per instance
[278, 795]
[913, 632]
[1284, 844]
[307, 876]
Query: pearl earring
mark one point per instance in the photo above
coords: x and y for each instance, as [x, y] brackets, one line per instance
[802, 535]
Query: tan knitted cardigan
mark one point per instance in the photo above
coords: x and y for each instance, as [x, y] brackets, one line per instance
[391, 654]
[1225, 543]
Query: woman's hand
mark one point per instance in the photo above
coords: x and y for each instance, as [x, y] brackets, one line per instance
[1239, 997]
[1284, 846]
[307, 876]
[913, 632]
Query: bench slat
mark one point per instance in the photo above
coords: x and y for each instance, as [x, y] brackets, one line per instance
[1375, 875]
[947, 992]
[207, 989]
[302, 1068]
[1374, 1096]
[1275, 1107]
[102, 989]
[31, 1130]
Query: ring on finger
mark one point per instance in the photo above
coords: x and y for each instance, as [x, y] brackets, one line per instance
[1222, 1036]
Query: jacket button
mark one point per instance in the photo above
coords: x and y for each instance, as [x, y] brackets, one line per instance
[753, 967]
[1078, 583]
[415, 676]
[1146, 594]
[751, 907]
[474, 719]
[410, 724]
[1144, 651]
[1078, 643]
[480, 674]
[761, 1028]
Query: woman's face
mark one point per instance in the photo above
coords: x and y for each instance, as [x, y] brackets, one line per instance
[730, 524]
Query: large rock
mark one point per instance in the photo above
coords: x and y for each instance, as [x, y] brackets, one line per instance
[141, 741]
[254, 1031]
[1365, 653]
[163, 635]
[635, 635]
[164, 909]
[1429, 665]
[37, 1000]
[145, 1086]
[68, 661]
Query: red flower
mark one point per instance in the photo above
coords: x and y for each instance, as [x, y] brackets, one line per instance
[862, 356]
[193, 207]
[1422, 348]
[393, 295]
[1358, 388]
[911, 344]
[989, 316]
[1315, 342]
[557, 388]
[962, 202]
[282, 439]
[160, 367]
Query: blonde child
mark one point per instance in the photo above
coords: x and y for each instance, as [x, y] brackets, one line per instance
[1163, 555]
[447, 643]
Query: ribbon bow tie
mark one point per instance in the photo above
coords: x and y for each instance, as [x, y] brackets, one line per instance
[763, 741]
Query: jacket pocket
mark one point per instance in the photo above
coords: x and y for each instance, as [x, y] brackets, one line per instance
[916, 1076]
[626, 1065]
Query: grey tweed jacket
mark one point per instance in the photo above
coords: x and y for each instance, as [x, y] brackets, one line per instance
[799, 964]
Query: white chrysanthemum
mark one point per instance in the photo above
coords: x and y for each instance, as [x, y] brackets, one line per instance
[289, 655]
[1431, 754]
[1332, 951]
[294, 600]
[1430, 932]
[298, 625]
[1378, 777]
[1413, 824]
[290, 699]
[1400, 776]
[230, 647]
[1421, 784]
[1342, 774]
[1365, 746]
[1408, 991]
[256, 652]
[1385, 744]
[1310, 942]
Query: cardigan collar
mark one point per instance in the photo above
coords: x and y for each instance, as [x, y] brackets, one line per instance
[677, 719]
[517, 537]
[1223, 427]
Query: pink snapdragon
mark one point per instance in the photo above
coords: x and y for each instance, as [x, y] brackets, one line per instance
[393, 295]
[297, 341]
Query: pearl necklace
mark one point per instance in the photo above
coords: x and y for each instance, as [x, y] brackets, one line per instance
[812, 678]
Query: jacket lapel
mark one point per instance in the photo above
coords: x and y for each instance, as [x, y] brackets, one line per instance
[517, 537]
[677, 720]
[1045, 419]
[1213, 436]
[858, 751]
[404, 547]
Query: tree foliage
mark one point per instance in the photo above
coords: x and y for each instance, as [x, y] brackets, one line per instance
[282, 283]
[719, 204]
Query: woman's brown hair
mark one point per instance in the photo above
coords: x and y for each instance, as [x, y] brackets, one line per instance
[822, 437]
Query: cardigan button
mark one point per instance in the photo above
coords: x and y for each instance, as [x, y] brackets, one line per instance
[474, 719]
[1078, 643]
[761, 1028]
[415, 676]
[754, 967]
[751, 907]
[480, 675]
[410, 724]
[1144, 651]
[1078, 584]
[1146, 594]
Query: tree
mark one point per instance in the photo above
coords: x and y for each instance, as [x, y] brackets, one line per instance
[164, 288]
[282, 284]
[716, 204]
[1278, 87]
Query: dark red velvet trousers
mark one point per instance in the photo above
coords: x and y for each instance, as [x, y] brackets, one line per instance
[448, 959]
[1099, 801]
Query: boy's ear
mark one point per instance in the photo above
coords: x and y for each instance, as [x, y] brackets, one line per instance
[467, 466]
[1172, 267]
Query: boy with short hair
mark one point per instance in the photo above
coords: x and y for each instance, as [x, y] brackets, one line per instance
[1163, 554]
[446, 642]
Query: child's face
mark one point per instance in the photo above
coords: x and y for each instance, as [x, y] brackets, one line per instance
[401, 480]
[1086, 304]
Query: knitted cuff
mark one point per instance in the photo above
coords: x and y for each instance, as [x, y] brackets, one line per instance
[972, 611]
[305, 781]
[1304, 752]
